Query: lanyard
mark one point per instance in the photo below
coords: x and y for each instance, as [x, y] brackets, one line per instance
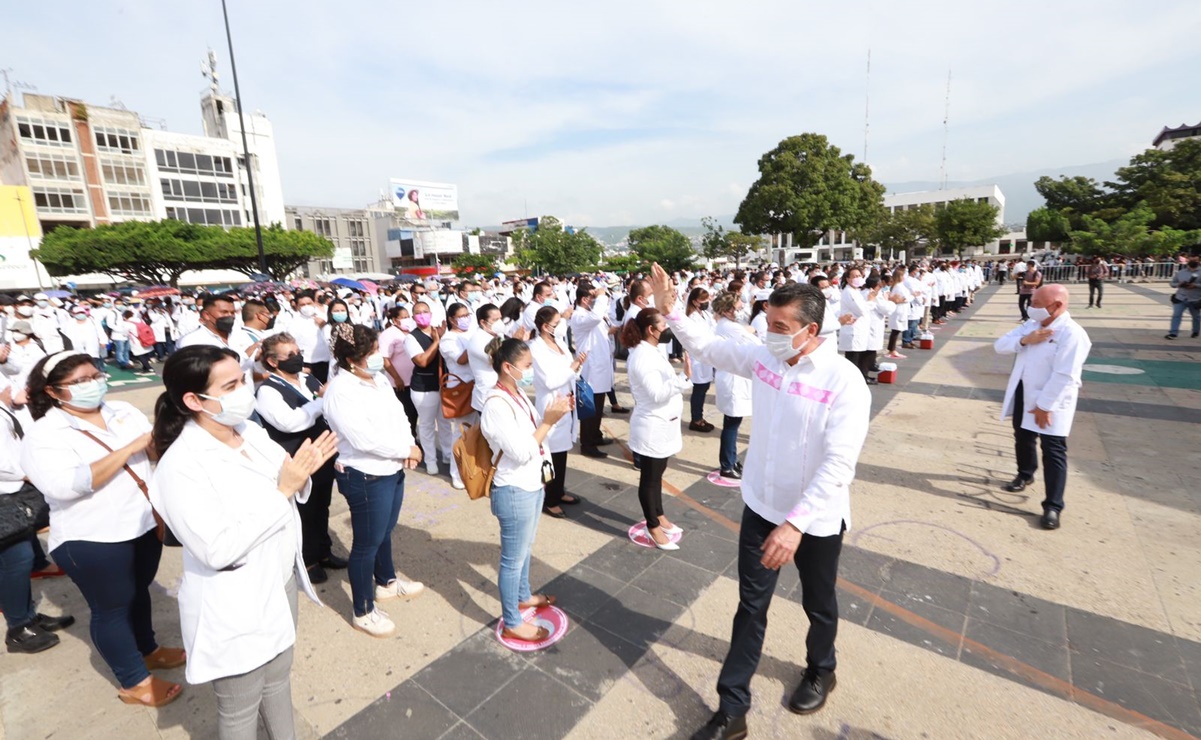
[526, 407]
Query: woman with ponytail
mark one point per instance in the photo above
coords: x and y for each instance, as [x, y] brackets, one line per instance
[655, 424]
[229, 494]
[375, 447]
[88, 457]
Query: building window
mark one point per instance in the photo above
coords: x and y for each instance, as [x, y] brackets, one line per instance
[322, 226]
[205, 216]
[193, 191]
[44, 131]
[116, 140]
[299, 223]
[52, 166]
[129, 204]
[122, 173]
[60, 200]
[193, 164]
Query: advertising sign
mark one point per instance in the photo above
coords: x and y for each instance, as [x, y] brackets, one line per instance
[425, 202]
[343, 258]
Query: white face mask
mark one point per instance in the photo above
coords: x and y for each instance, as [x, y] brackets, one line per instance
[780, 345]
[857, 282]
[25, 311]
[1038, 314]
[308, 311]
[828, 292]
[375, 363]
[236, 406]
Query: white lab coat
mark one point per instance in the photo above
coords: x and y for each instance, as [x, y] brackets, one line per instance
[702, 373]
[881, 310]
[237, 530]
[1048, 371]
[734, 391]
[854, 337]
[899, 321]
[553, 377]
[590, 331]
[658, 403]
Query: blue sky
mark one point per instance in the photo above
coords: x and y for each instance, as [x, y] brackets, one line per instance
[631, 112]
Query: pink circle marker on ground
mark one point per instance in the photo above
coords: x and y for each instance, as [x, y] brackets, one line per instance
[552, 618]
[640, 537]
[716, 479]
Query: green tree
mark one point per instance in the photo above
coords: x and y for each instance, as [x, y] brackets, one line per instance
[1132, 234]
[965, 223]
[159, 252]
[1167, 182]
[1047, 225]
[806, 187]
[555, 251]
[624, 263]
[662, 244]
[474, 264]
[1076, 197]
[735, 245]
[900, 230]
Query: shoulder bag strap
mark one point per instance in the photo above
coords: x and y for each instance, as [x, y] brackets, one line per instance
[136, 478]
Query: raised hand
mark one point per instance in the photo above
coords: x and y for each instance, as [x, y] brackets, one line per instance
[665, 294]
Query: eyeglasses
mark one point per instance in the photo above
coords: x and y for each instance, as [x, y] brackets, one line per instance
[79, 381]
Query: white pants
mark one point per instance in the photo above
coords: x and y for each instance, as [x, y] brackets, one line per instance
[433, 429]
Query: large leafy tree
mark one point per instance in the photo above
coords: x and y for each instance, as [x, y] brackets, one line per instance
[555, 250]
[900, 230]
[735, 245]
[1047, 225]
[806, 187]
[662, 244]
[1132, 234]
[1168, 182]
[159, 252]
[965, 223]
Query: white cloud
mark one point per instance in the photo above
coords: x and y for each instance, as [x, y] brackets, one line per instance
[608, 113]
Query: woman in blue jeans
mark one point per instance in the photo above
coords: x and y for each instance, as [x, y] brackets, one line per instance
[517, 433]
[375, 447]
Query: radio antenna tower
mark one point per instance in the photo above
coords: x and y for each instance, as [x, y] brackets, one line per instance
[208, 70]
[946, 129]
[867, 103]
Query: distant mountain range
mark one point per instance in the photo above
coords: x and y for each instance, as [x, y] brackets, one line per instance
[1018, 189]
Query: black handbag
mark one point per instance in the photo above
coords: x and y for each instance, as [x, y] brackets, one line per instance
[22, 514]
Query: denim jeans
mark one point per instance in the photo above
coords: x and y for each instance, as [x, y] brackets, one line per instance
[374, 502]
[698, 400]
[115, 579]
[910, 335]
[121, 351]
[16, 597]
[1178, 310]
[728, 456]
[517, 511]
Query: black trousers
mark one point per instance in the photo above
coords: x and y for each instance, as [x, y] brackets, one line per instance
[406, 399]
[864, 360]
[555, 489]
[1095, 288]
[1023, 303]
[817, 561]
[650, 489]
[1055, 456]
[590, 429]
[314, 515]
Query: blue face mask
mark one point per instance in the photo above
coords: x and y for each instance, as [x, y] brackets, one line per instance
[339, 317]
[527, 377]
[89, 394]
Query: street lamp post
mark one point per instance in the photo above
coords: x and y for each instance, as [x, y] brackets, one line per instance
[254, 203]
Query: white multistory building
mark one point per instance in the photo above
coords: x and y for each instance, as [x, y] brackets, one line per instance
[86, 165]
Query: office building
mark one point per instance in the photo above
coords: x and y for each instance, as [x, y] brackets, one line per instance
[1168, 137]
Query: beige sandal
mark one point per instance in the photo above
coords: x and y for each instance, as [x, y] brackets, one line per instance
[157, 693]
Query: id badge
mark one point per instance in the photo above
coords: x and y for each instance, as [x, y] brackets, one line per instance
[548, 471]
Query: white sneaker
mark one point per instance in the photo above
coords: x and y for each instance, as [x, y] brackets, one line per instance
[375, 623]
[399, 589]
[457, 485]
[431, 469]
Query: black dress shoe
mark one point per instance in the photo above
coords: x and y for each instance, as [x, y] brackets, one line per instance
[333, 562]
[738, 467]
[605, 441]
[29, 639]
[1017, 484]
[721, 726]
[317, 575]
[731, 475]
[1050, 519]
[54, 624]
[575, 500]
[812, 692]
[619, 410]
[593, 452]
[557, 515]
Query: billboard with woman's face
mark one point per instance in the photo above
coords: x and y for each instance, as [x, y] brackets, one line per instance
[425, 202]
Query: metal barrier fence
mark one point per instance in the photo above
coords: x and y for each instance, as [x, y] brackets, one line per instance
[1142, 272]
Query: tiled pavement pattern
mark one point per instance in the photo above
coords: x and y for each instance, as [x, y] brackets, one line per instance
[623, 599]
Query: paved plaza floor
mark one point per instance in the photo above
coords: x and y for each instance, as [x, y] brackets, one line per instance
[961, 618]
